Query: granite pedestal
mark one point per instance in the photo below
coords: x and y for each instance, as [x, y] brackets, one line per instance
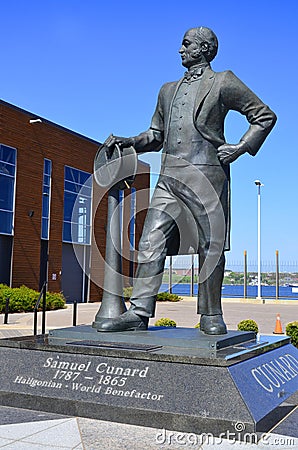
[170, 378]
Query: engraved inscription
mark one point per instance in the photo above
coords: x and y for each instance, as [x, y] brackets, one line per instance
[94, 376]
[33, 382]
[103, 367]
[273, 374]
[133, 393]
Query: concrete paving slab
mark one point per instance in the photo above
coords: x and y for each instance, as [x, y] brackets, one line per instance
[58, 434]
[4, 442]
[62, 433]
[19, 445]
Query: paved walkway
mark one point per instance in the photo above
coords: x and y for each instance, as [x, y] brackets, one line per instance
[34, 430]
[183, 312]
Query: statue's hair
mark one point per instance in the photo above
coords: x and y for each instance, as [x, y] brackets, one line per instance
[204, 34]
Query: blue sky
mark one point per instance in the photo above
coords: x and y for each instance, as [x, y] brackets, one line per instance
[96, 67]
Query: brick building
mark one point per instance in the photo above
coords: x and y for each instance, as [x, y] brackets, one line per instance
[52, 225]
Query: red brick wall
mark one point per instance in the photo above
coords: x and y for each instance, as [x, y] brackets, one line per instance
[34, 142]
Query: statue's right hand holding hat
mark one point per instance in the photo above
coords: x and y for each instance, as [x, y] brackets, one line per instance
[123, 142]
[115, 163]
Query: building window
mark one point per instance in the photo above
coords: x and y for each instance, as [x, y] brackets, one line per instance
[46, 199]
[7, 188]
[77, 206]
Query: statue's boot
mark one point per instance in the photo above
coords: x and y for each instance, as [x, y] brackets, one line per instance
[213, 324]
[128, 321]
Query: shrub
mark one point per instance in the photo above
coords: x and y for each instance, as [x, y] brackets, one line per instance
[248, 325]
[55, 300]
[161, 297]
[167, 297]
[165, 322]
[4, 293]
[23, 299]
[292, 331]
[127, 291]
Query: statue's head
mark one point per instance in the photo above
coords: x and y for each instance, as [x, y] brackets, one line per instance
[199, 45]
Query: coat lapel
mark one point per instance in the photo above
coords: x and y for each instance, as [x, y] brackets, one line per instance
[205, 86]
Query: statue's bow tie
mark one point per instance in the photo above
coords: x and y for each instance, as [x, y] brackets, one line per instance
[194, 74]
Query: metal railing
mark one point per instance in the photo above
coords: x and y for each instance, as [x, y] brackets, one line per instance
[74, 313]
[181, 277]
[43, 296]
[6, 311]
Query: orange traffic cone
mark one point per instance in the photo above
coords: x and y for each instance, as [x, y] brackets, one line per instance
[278, 327]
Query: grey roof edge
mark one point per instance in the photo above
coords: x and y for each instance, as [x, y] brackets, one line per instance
[46, 121]
[49, 122]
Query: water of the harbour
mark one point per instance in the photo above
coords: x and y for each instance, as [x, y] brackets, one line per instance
[285, 292]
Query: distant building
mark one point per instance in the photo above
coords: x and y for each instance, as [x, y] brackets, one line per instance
[51, 226]
[227, 272]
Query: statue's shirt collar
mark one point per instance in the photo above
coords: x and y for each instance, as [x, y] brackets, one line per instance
[195, 72]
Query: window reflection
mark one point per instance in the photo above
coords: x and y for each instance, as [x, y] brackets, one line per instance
[7, 188]
[77, 206]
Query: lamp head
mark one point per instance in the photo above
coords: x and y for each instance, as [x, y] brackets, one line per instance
[258, 183]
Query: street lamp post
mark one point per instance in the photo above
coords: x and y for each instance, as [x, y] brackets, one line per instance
[259, 184]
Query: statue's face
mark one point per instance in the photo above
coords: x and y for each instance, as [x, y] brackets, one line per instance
[190, 50]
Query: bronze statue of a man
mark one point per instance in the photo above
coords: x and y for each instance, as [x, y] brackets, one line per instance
[189, 210]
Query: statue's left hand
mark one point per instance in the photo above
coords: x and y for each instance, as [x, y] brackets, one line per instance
[228, 153]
